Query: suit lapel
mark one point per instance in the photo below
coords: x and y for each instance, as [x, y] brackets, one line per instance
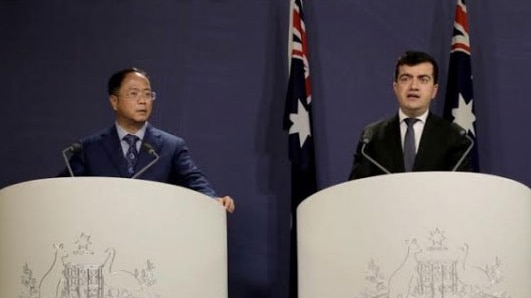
[113, 148]
[426, 142]
[394, 146]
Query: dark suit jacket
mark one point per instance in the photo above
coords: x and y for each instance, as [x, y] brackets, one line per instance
[102, 155]
[441, 146]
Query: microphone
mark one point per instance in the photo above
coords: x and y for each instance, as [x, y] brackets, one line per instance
[462, 132]
[75, 148]
[149, 149]
[367, 136]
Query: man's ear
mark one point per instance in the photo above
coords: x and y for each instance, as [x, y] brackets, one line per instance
[113, 99]
[435, 89]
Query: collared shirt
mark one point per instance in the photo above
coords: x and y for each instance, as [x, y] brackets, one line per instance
[122, 132]
[418, 127]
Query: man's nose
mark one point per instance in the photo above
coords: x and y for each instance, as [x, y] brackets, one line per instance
[414, 84]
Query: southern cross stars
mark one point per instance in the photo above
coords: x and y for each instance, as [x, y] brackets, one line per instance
[301, 123]
[463, 114]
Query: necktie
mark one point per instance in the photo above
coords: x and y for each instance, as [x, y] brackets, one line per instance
[131, 154]
[409, 144]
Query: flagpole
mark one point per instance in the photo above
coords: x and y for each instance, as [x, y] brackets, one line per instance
[297, 121]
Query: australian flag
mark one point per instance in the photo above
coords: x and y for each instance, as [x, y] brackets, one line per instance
[298, 123]
[459, 104]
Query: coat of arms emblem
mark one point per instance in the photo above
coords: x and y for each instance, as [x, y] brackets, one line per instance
[78, 273]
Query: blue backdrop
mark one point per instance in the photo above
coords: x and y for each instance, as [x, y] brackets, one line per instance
[220, 69]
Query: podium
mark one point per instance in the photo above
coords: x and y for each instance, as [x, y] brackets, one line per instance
[110, 237]
[424, 234]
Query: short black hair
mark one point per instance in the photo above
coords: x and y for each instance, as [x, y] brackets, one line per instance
[115, 82]
[412, 58]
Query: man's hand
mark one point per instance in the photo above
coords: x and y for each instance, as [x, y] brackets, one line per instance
[227, 202]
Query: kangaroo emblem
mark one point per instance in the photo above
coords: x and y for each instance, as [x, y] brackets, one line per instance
[53, 280]
[405, 279]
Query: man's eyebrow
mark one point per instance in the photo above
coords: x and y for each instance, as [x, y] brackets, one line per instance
[138, 89]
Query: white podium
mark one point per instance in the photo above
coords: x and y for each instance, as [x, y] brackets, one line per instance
[110, 237]
[432, 234]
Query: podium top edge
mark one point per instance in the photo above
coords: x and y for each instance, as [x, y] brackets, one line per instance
[101, 181]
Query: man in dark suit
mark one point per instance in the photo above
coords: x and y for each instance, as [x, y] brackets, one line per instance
[414, 139]
[123, 149]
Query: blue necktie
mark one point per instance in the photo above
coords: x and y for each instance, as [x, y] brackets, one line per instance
[132, 154]
[409, 144]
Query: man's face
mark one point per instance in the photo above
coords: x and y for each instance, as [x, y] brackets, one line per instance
[415, 88]
[132, 103]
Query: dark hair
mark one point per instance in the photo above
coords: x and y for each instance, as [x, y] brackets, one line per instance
[412, 58]
[115, 82]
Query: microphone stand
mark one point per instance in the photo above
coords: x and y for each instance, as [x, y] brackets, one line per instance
[466, 151]
[365, 143]
[150, 151]
[74, 148]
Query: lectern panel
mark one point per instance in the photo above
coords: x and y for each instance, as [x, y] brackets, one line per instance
[436, 235]
[110, 237]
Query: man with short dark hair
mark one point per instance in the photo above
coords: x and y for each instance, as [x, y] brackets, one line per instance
[119, 151]
[414, 139]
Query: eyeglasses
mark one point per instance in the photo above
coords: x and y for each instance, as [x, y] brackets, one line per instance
[137, 94]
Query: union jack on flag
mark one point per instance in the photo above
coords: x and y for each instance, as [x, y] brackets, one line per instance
[459, 103]
[298, 123]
